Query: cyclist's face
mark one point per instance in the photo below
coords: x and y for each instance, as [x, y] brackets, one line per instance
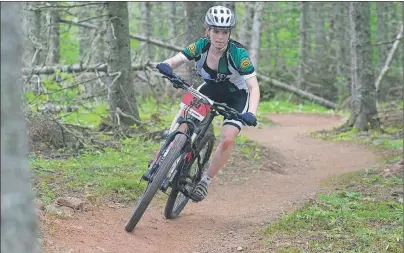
[219, 37]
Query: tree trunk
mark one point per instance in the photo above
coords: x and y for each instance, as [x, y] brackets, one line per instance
[344, 38]
[194, 13]
[172, 24]
[161, 15]
[99, 41]
[319, 33]
[381, 12]
[31, 27]
[121, 92]
[146, 29]
[339, 43]
[229, 4]
[302, 45]
[52, 18]
[244, 32]
[18, 217]
[255, 44]
[195, 19]
[267, 30]
[364, 111]
[275, 29]
[84, 35]
[92, 44]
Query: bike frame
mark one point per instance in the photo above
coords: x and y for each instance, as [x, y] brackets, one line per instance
[194, 132]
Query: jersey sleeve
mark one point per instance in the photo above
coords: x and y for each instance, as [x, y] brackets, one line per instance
[195, 49]
[244, 64]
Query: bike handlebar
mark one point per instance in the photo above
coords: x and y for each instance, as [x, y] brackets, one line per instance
[228, 112]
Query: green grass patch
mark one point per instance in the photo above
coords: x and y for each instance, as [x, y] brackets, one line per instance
[250, 150]
[114, 172]
[392, 138]
[279, 106]
[363, 216]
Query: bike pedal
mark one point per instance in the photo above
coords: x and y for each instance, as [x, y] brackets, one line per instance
[189, 189]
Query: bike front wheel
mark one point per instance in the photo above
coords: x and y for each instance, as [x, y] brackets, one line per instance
[166, 163]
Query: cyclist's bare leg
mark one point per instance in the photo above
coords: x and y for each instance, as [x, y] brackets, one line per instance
[220, 158]
[222, 153]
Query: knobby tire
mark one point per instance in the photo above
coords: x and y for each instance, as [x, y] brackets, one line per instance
[152, 188]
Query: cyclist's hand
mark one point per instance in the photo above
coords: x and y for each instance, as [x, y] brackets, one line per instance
[249, 118]
[165, 69]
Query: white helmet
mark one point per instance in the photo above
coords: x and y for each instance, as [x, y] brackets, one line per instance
[220, 17]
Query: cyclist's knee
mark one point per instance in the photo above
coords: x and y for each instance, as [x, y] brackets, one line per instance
[227, 140]
[229, 134]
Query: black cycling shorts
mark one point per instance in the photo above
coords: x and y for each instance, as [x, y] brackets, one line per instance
[238, 100]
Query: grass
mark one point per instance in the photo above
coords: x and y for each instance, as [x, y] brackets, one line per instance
[391, 139]
[114, 172]
[360, 217]
[276, 106]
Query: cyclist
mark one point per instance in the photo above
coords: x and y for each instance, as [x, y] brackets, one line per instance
[229, 77]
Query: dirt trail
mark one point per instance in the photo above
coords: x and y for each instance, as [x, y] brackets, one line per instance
[233, 213]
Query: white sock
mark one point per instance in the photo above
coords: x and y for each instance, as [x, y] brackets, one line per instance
[206, 179]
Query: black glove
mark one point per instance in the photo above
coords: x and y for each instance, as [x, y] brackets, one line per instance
[249, 118]
[165, 69]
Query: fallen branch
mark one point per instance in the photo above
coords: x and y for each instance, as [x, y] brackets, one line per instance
[294, 90]
[48, 107]
[59, 7]
[76, 68]
[118, 112]
[388, 60]
[133, 36]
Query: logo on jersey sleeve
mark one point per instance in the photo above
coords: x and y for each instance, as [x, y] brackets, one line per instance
[245, 63]
[192, 49]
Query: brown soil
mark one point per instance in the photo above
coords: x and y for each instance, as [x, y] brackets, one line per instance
[235, 210]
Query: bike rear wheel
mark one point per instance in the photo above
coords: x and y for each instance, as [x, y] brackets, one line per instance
[166, 164]
[177, 200]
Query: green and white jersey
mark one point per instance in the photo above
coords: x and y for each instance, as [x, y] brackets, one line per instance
[234, 68]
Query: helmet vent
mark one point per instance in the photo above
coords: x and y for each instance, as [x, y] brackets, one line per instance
[227, 20]
[221, 11]
[216, 19]
[215, 11]
[222, 19]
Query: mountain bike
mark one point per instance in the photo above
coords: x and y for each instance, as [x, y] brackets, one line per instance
[183, 158]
